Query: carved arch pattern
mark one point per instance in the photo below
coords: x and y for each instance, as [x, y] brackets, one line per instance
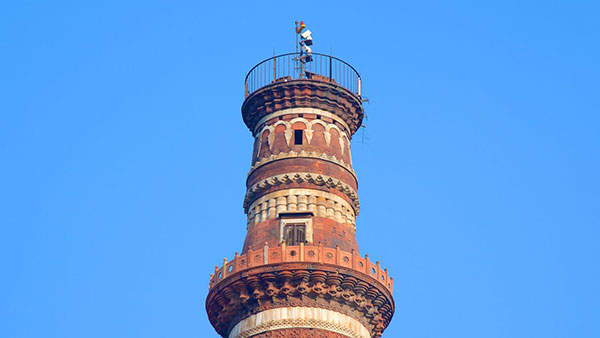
[329, 131]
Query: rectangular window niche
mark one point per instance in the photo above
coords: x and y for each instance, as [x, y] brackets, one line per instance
[300, 223]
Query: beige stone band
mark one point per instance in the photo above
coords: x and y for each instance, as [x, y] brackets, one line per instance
[320, 203]
[299, 317]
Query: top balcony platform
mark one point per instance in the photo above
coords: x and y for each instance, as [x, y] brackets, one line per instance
[282, 82]
[286, 67]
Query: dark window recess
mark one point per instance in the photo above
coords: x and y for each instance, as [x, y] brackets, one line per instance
[298, 137]
[294, 234]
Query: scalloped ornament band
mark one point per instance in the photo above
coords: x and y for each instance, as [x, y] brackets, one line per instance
[316, 179]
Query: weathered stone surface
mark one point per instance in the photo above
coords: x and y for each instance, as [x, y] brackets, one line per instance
[312, 282]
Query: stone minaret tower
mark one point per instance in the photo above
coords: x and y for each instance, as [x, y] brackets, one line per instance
[300, 273]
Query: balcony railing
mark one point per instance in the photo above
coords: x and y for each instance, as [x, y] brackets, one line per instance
[287, 67]
[302, 253]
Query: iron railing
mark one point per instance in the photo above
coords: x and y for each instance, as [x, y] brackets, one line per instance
[286, 67]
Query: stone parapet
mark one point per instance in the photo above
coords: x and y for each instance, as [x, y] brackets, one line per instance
[302, 253]
[300, 276]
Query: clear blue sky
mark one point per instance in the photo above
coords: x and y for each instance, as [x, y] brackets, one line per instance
[124, 158]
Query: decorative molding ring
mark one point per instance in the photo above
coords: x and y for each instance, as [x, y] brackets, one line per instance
[299, 317]
[316, 179]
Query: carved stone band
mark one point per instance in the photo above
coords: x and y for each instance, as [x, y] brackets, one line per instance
[316, 179]
[299, 317]
[321, 203]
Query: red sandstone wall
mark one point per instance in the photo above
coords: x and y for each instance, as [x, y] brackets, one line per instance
[326, 231]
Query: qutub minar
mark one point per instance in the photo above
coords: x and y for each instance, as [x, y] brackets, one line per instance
[300, 273]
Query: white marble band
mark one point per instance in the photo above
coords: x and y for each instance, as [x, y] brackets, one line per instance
[299, 317]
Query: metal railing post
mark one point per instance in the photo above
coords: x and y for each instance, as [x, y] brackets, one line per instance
[330, 63]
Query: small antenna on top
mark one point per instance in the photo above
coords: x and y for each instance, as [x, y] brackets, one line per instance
[303, 41]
